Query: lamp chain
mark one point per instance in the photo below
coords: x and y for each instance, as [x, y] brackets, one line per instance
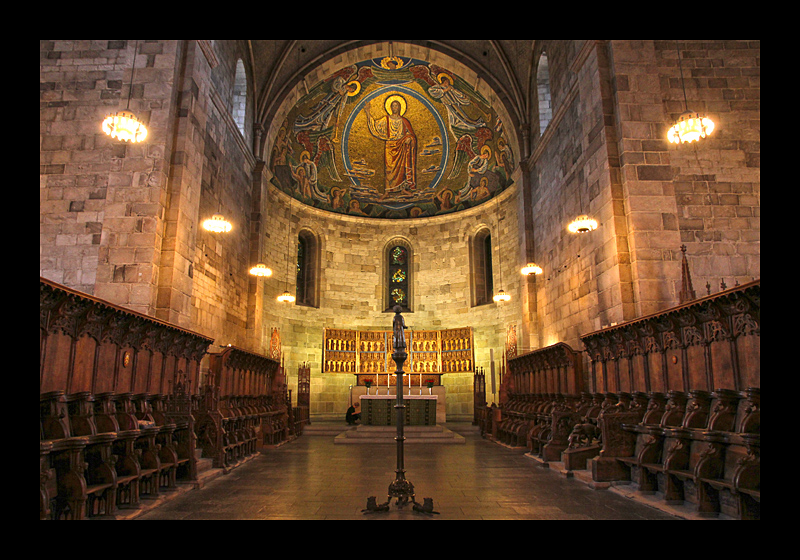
[683, 84]
[133, 69]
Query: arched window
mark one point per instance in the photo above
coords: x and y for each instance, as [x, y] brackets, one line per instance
[398, 286]
[307, 269]
[543, 93]
[481, 267]
[240, 97]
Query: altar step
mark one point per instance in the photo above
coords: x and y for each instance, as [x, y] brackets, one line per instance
[438, 435]
[323, 428]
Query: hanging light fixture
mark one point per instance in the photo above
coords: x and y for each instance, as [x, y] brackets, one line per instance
[124, 125]
[286, 297]
[261, 270]
[582, 224]
[217, 224]
[531, 268]
[500, 295]
[690, 126]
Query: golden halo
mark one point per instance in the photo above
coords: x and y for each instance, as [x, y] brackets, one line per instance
[385, 62]
[441, 75]
[388, 104]
[303, 154]
[486, 150]
[358, 88]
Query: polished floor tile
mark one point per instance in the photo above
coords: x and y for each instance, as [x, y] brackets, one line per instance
[313, 479]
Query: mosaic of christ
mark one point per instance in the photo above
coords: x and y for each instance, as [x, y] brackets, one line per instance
[392, 138]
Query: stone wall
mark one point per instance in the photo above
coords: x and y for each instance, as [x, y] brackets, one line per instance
[606, 153]
[102, 203]
[123, 222]
[351, 287]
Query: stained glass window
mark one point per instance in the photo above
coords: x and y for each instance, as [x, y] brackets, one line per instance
[398, 277]
[399, 255]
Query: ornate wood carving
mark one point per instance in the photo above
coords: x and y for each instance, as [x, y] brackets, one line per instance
[716, 323]
[67, 313]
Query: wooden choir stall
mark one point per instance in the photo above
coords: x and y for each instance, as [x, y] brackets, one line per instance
[116, 394]
[242, 407]
[123, 416]
[670, 404]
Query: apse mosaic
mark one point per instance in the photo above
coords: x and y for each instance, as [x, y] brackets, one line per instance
[392, 138]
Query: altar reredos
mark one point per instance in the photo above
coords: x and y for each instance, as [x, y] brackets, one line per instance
[392, 137]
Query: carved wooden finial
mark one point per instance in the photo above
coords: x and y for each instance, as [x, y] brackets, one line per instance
[687, 291]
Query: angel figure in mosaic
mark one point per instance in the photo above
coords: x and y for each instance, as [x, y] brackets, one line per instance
[477, 168]
[455, 101]
[331, 105]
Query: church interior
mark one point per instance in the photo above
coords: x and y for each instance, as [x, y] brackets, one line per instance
[545, 252]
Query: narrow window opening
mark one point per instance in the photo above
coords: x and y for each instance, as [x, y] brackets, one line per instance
[543, 93]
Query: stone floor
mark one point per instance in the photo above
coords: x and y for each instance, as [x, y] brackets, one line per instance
[311, 478]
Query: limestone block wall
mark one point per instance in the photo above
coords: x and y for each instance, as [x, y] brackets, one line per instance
[102, 203]
[123, 222]
[605, 153]
[351, 282]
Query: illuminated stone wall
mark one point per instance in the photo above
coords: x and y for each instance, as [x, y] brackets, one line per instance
[351, 283]
[605, 152]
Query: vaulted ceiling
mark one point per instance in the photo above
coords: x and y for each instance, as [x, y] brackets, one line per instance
[507, 66]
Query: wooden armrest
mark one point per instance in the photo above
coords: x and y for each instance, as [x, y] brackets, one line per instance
[98, 488]
[684, 475]
[756, 494]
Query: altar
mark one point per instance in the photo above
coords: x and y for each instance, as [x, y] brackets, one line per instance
[379, 410]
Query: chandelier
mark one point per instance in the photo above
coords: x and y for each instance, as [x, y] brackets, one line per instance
[582, 224]
[125, 125]
[531, 268]
[690, 126]
[217, 224]
[501, 296]
[261, 270]
[286, 297]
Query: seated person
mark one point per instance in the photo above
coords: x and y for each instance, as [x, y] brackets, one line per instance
[352, 417]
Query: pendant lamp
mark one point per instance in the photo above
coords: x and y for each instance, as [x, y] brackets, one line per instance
[125, 125]
[261, 270]
[500, 295]
[531, 268]
[690, 126]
